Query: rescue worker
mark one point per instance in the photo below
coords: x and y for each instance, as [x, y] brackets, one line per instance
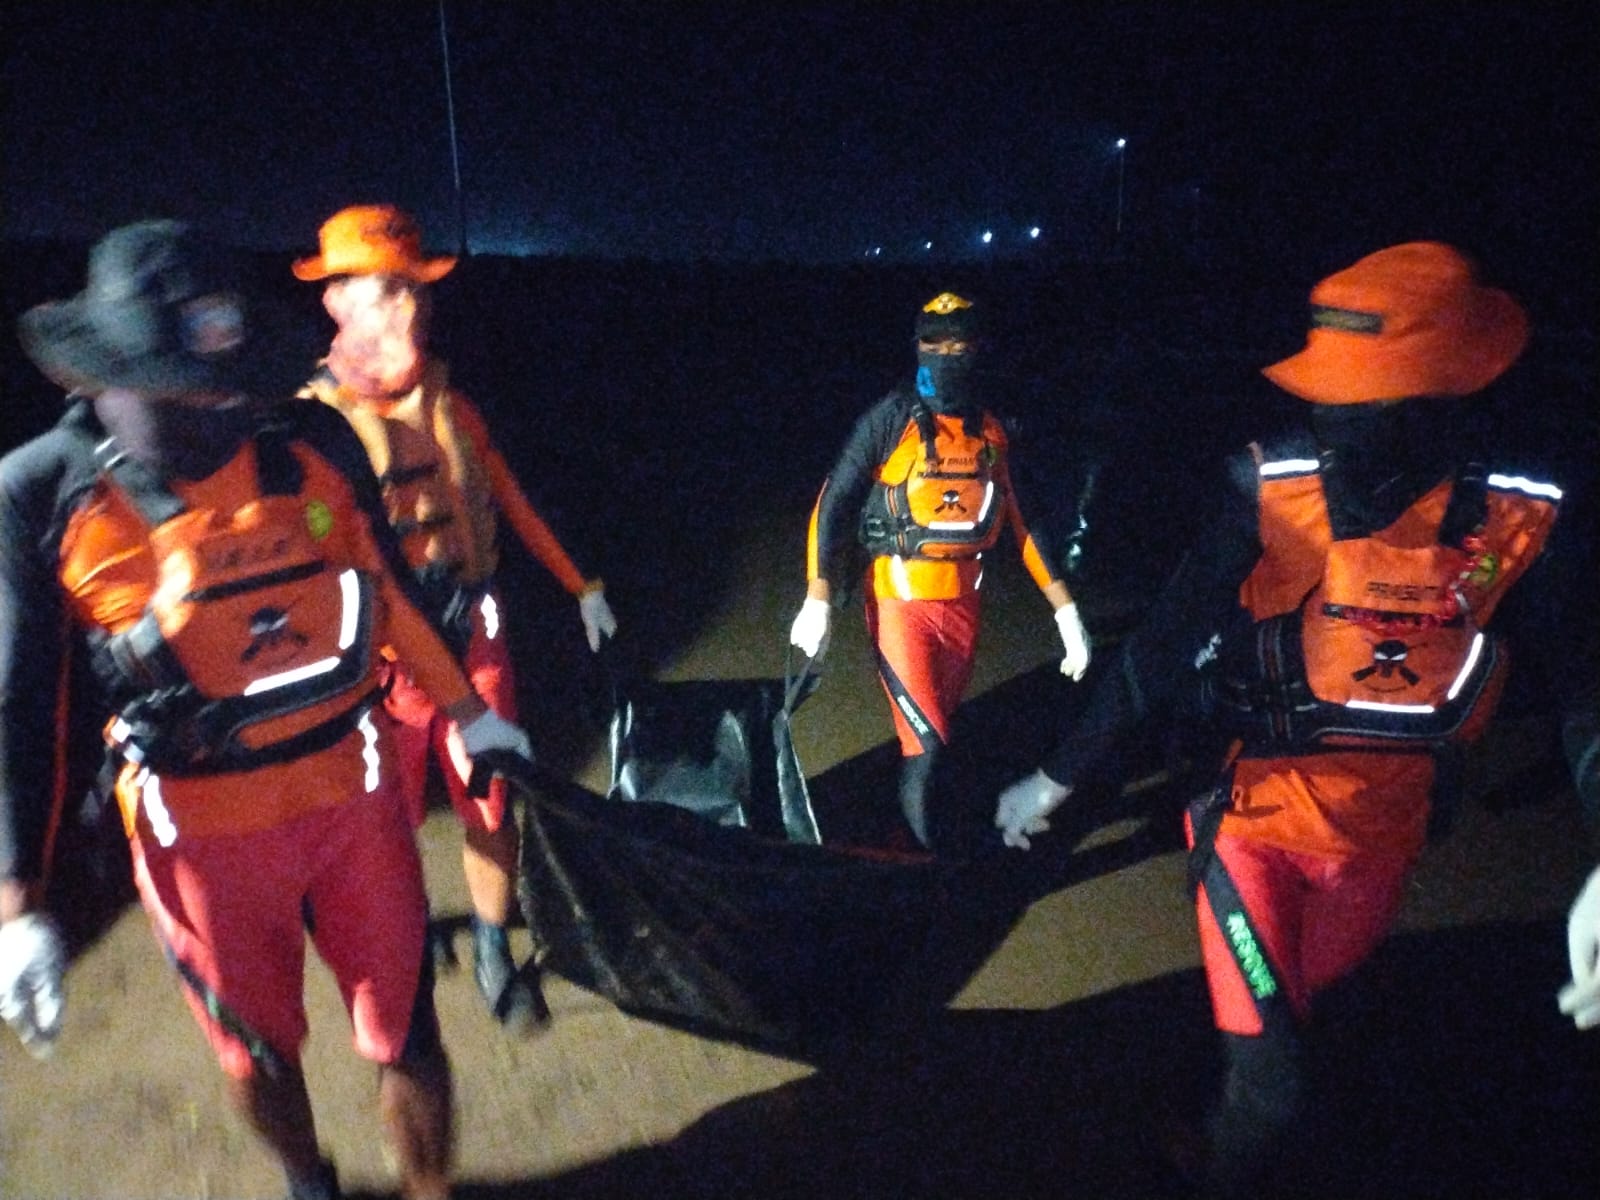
[443, 485]
[225, 561]
[924, 485]
[1339, 621]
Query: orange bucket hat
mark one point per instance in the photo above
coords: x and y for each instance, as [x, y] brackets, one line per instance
[1411, 320]
[372, 239]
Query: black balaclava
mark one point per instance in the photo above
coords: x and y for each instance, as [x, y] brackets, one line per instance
[181, 441]
[950, 383]
[1383, 457]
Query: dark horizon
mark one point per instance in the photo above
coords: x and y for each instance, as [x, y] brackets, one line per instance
[822, 133]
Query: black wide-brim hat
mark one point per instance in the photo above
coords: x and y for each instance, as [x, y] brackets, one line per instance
[166, 312]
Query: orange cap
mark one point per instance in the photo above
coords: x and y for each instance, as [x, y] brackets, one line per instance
[372, 239]
[1411, 320]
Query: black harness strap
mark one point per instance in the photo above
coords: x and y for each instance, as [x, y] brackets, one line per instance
[272, 1064]
[1468, 507]
[927, 735]
[929, 429]
[1249, 951]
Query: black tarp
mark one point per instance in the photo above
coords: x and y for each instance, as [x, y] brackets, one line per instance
[734, 930]
[722, 749]
[715, 911]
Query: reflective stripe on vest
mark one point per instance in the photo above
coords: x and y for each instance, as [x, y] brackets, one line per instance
[1378, 639]
[251, 648]
[935, 496]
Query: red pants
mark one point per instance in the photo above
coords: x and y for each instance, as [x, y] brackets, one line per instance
[416, 728]
[1315, 918]
[926, 650]
[232, 910]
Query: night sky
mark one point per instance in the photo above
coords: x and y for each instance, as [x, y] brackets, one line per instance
[814, 132]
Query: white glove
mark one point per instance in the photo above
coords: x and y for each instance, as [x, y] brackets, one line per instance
[598, 623]
[1580, 999]
[1024, 807]
[810, 629]
[32, 962]
[1075, 639]
[490, 731]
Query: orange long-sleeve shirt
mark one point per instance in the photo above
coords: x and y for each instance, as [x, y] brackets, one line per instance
[443, 479]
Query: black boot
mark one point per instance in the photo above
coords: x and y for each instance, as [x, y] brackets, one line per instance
[324, 1185]
[916, 785]
[513, 996]
[440, 946]
[1262, 1104]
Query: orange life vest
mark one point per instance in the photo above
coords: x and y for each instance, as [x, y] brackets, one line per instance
[252, 648]
[1379, 639]
[936, 493]
[435, 490]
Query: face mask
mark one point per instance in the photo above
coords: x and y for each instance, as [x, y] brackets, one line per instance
[947, 382]
[1360, 432]
[178, 440]
[1386, 455]
[382, 331]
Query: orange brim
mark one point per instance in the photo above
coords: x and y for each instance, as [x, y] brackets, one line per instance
[425, 270]
[1340, 367]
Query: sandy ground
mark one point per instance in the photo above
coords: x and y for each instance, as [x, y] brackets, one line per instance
[1055, 1069]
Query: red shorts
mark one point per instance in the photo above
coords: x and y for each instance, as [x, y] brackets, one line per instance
[927, 648]
[1317, 918]
[230, 909]
[418, 729]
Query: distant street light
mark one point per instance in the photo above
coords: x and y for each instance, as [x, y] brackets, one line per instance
[1122, 157]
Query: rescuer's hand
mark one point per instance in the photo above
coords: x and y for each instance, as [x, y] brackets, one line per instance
[1025, 807]
[598, 622]
[32, 962]
[489, 731]
[1075, 640]
[809, 633]
[1580, 999]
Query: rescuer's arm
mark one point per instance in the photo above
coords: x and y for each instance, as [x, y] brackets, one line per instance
[406, 630]
[1044, 565]
[533, 531]
[33, 654]
[1151, 666]
[1549, 616]
[832, 529]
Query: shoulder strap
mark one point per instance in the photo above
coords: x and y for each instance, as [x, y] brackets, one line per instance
[277, 469]
[928, 428]
[1468, 507]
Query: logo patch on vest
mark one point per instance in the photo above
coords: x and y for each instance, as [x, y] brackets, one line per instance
[272, 638]
[1388, 661]
[319, 519]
